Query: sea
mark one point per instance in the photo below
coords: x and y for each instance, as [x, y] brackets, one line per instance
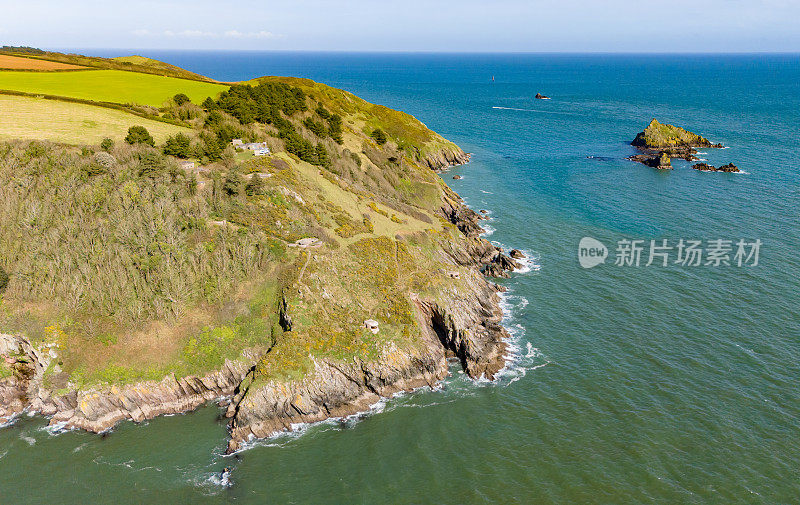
[659, 363]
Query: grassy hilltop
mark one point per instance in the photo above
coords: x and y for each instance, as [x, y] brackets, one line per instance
[132, 267]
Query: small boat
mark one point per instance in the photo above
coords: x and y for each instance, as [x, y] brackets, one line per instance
[540, 96]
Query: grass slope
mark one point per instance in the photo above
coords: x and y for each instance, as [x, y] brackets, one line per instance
[108, 86]
[70, 123]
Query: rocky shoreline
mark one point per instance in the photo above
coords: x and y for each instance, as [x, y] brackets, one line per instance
[466, 326]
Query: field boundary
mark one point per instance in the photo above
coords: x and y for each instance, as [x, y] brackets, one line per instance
[107, 105]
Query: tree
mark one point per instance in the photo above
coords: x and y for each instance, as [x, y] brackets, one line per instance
[179, 146]
[151, 164]
[209, 104]
[379, 136]
[139, 135]
[255, 186]
[233, 183]
[107, 144]
[322, 156]
[181, 99]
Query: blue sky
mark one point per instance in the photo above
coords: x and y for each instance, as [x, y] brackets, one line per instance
[410, 25]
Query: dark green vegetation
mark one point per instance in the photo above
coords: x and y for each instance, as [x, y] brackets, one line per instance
[139, 135]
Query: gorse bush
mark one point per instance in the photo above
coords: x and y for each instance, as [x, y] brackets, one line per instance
[139, 135]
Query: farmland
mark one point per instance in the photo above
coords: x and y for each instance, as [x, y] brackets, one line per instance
[70, 123]
[108, 86]
[17, 63]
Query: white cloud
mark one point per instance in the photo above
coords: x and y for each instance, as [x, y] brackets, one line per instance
[200, 34]
[263, 34]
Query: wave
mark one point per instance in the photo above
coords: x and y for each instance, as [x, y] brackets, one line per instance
[518, 364]
[536, 110]
[488, 230]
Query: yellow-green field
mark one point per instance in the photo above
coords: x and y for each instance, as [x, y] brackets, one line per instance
[108, 86]
[70, 123]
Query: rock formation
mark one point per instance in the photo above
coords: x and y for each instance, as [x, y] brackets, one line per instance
[661, 142]
[704, 167]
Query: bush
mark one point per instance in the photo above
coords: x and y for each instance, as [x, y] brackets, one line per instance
[3, 279]
[151, 164]
[179, 146]
[233, 183]
[104, 159]
[139, 135]
[379, 136]
[181, 99]
[255, 186]
[107, 144]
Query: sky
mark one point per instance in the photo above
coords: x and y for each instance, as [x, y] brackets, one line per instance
[409, 25]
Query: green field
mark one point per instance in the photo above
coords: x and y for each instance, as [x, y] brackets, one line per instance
[108, 86]
[71, 123]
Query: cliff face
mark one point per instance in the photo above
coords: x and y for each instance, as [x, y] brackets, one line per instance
[445, 158]
[466, 327]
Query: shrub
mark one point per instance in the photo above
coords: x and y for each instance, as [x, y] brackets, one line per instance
[179, 146]
[107, 144]
[181, 99]
[3, 279]
[255, 186]
[233, 183]
[139, 135]
[379, 136]
[151, 164]
[104, 159]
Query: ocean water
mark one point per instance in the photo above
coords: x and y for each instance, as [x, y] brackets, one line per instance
[627, 385]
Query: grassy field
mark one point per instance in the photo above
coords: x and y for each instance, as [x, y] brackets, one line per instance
[108, 86]
[70, 123]
[17, 63]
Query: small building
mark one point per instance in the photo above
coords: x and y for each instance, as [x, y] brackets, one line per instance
[371, 325]
[253, 146]
[261, 152]
[237, 143]
[187, 165]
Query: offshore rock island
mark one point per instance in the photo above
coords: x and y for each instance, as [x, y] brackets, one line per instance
[659, 143]
[278, 243]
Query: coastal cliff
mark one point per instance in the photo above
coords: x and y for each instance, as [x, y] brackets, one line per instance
[294, 287]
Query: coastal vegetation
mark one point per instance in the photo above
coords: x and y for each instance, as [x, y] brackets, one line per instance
[130, 264]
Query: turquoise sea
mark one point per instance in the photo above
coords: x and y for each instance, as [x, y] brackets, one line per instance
[627, 385]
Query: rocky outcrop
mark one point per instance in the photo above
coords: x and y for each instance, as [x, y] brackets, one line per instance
[659, 143]
[704, 167]
[516, 254]
[444, 158]
[661, 161]
[664, 136]
[99, 409]
[467, 328]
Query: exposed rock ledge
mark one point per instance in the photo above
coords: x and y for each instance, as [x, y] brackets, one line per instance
[444, 159]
